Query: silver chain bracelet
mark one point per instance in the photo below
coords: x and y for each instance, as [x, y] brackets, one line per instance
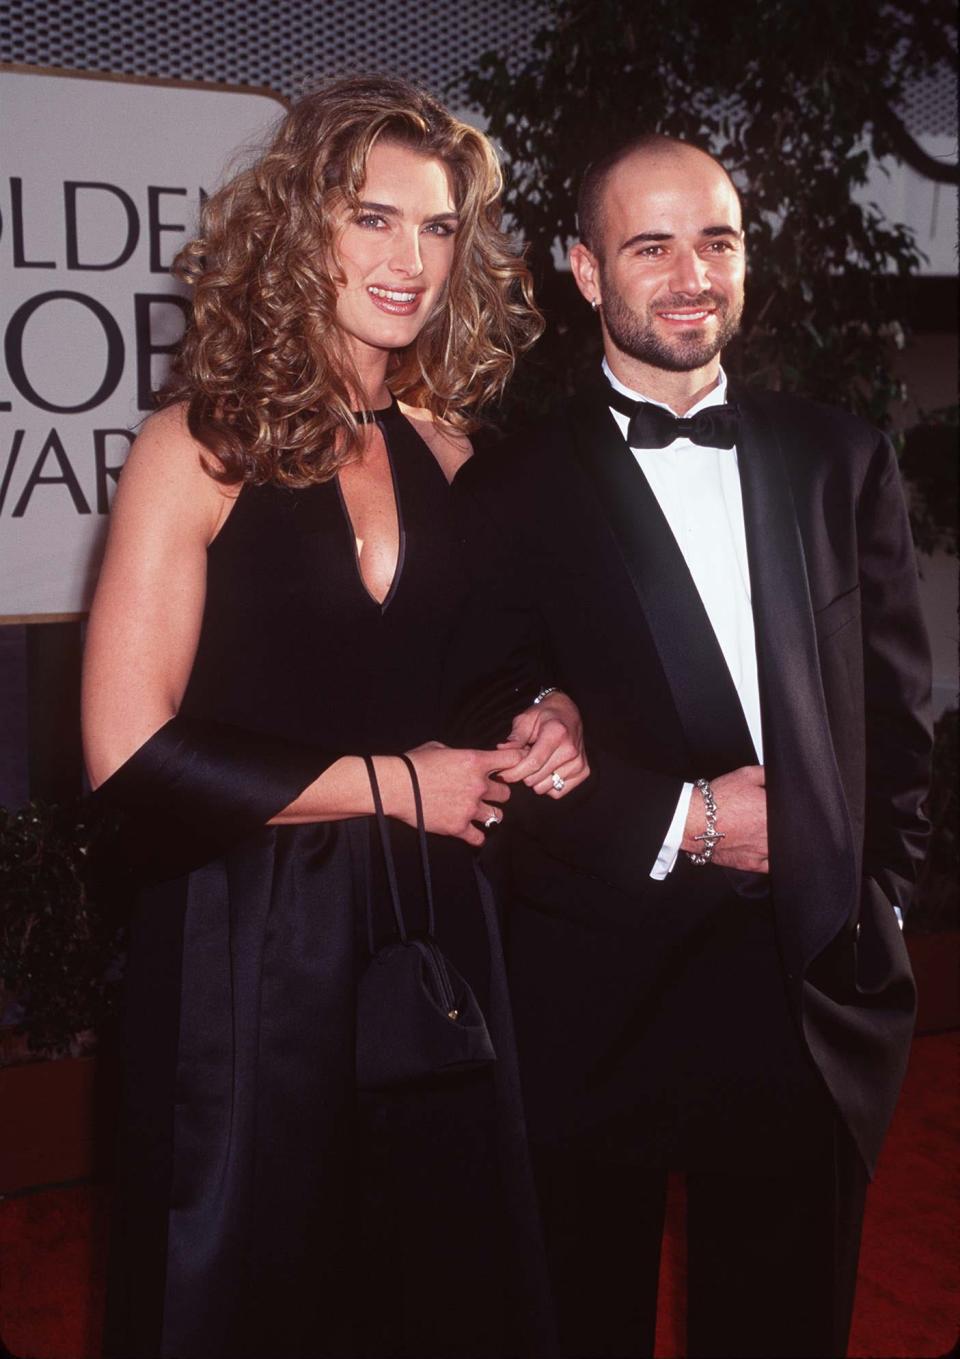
[711, 836]
[545, 693]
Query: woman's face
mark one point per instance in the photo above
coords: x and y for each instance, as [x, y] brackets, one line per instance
[396, 251]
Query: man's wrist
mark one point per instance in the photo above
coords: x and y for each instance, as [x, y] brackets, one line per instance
[699, 846]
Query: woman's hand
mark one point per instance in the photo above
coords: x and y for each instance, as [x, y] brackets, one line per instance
[456, 786]
[549, 736]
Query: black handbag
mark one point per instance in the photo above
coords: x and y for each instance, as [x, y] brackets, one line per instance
[416, 1016]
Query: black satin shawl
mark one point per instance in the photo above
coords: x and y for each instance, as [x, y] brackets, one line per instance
[193, 790]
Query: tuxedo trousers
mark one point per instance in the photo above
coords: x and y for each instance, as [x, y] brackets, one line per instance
[771, 1258]
[662, 1040]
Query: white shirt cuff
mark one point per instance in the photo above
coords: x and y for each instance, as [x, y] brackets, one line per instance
[671, 845]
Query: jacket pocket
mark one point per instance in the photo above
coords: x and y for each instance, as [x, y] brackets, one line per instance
[837, 614]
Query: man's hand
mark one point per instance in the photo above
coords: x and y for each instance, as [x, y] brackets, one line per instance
[550, 735]
[742, 817]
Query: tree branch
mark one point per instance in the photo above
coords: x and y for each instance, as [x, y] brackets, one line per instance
[910, 151]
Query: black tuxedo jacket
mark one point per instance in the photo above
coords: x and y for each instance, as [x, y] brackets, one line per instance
[573, 556]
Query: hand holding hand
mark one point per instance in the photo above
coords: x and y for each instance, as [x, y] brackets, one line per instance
[742, 817]
[456, 786]
[549, 736]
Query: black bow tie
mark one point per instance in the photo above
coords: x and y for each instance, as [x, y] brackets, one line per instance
[653, 427]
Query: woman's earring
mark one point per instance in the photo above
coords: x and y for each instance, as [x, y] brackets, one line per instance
[594, 303]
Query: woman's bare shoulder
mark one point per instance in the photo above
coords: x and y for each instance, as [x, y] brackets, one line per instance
[167, 445]
[169, 465]
[448, 445]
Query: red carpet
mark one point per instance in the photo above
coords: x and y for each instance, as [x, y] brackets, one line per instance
[908, 1299]
[53, 1243]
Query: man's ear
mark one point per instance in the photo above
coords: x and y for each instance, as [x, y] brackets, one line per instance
[586, 271]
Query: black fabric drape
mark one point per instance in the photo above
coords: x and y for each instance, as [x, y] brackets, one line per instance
[193, 790]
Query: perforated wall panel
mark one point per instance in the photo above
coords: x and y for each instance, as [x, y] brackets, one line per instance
[281, 44]
[286, 45]
[930, 108]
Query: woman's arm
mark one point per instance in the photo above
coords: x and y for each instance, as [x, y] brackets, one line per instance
[456, 786]
[221, 782]
[145, 620]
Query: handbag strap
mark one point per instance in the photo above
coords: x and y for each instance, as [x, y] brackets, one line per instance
[387, 860]
[385, 844]
[422, 835]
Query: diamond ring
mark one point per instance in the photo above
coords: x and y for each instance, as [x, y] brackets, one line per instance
[558, 783]
[492, 820]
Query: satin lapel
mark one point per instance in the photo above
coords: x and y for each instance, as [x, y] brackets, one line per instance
[706, 698]
[811, 846]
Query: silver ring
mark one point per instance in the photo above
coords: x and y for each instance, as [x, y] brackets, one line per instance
[492, 820]
[558, 783]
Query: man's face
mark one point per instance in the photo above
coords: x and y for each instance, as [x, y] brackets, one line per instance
[669, 277]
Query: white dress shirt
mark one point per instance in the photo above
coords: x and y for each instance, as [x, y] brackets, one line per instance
[698, 490]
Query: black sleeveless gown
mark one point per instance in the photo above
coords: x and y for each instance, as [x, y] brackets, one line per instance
[265, 1208]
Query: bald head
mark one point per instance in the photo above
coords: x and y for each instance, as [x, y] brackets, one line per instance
[663, 263]
[654, 152]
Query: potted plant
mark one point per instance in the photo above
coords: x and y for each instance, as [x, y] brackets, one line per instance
[60, 955]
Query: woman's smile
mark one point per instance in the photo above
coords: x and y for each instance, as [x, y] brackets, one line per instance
[397, 302]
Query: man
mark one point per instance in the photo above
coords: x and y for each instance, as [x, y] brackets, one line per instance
[705, 951]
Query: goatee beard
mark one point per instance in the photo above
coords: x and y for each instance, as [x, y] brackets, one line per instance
[687, 351]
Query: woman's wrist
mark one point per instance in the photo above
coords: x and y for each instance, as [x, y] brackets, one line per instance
[395, 788]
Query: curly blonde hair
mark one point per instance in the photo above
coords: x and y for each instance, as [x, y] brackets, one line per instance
[263, 367]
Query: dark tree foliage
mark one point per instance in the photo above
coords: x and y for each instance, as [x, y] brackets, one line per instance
[792, 96]
[59, 947]
[936, 905]
[929, 463]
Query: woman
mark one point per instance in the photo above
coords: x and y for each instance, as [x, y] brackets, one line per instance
[279, 593]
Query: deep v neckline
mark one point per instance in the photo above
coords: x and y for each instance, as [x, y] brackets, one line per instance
[380, 418]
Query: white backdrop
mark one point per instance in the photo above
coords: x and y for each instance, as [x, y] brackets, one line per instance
[100, 186]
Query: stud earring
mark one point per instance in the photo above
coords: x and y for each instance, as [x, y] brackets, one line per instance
[594, 303]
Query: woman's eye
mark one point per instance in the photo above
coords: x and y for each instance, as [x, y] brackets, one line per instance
[440, 228]
[370, 219]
